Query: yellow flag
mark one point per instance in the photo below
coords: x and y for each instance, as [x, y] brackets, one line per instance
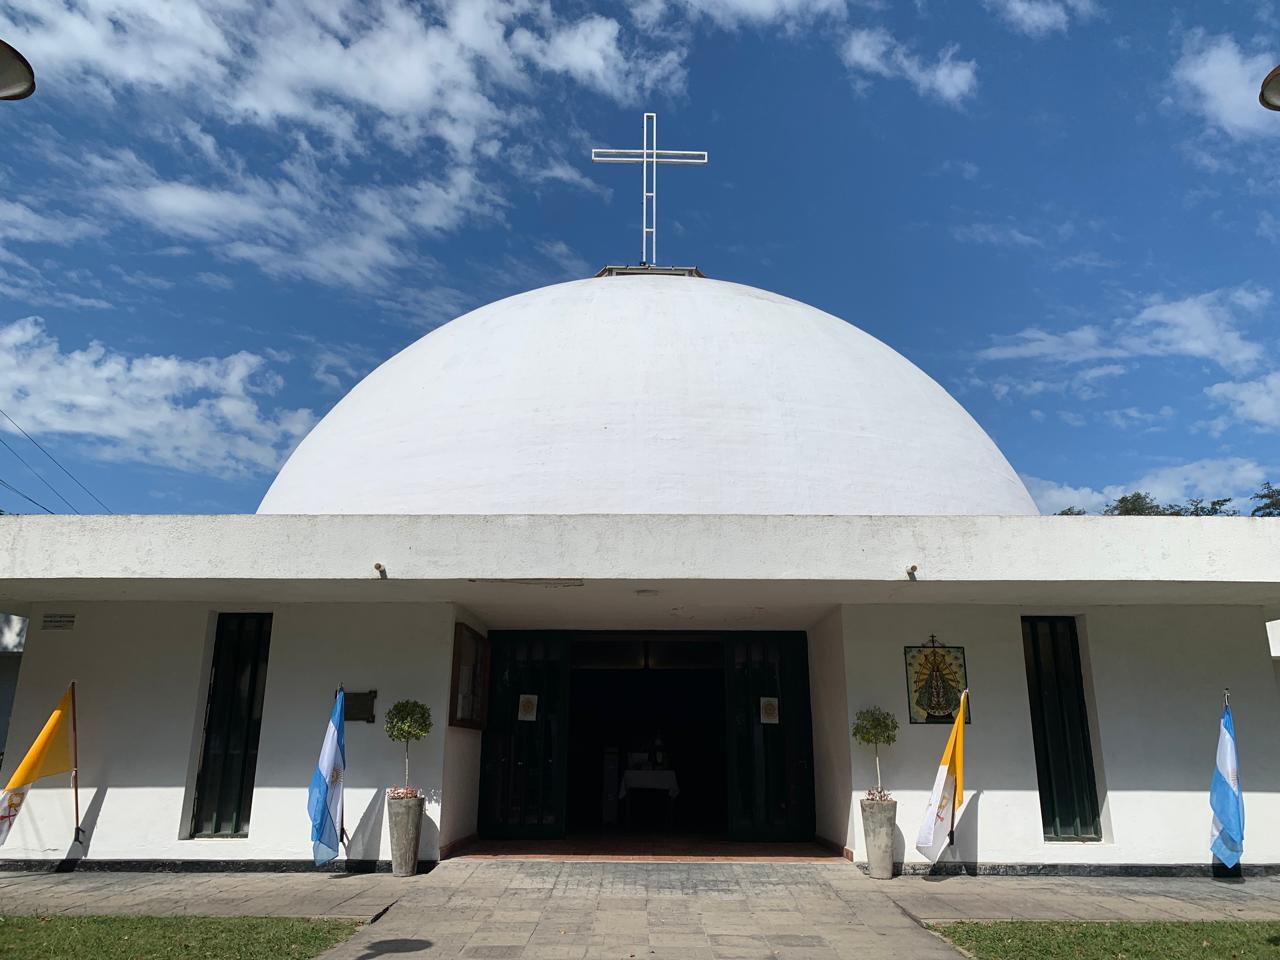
[948, 791]
[51, 753]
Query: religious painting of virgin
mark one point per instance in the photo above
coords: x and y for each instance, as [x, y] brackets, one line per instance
[936, 676]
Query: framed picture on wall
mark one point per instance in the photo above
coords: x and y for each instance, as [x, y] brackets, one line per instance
[936, 676]
[469, 689]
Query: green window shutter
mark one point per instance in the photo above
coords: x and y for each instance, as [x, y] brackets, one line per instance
[1060, 729]
[233, 722]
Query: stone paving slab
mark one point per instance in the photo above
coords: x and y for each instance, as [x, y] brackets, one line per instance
[346, 896]
[938, 900]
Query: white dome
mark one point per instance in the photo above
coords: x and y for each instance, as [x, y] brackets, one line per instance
[648, 394]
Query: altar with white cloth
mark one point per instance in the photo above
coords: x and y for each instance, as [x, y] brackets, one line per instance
[663, 781]
[649, 780]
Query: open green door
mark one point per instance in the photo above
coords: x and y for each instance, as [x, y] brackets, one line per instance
[770, 737]
[525, 747]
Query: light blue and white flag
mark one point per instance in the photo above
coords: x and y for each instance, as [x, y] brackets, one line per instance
[324, 798]
[1225, 799]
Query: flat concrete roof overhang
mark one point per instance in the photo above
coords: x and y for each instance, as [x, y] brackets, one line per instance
[642, 570]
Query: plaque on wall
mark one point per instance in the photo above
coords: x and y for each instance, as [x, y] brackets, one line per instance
[469, 689]
[936, 676]
[768, 709]
[358, 706]
[527, 709]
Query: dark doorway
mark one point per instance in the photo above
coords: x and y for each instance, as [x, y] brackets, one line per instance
[649, 710]
[613, 733]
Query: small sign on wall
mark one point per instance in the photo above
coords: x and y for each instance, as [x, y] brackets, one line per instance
[528, 707]
[768, 709]
[58, 621]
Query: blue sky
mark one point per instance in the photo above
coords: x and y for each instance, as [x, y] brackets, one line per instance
[215, 217]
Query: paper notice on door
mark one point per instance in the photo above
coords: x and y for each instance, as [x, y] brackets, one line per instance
[528, 708]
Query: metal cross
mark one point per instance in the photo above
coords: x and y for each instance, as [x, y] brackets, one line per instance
[649, 157]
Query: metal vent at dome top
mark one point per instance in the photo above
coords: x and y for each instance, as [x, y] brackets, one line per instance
[648, 270]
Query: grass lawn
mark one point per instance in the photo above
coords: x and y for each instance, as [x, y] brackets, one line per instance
[1217, 940]
[169, 938]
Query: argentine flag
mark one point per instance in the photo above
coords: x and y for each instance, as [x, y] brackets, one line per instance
[324, 798]
[1227, 838]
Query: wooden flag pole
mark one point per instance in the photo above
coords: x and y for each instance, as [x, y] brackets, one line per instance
[75, 764]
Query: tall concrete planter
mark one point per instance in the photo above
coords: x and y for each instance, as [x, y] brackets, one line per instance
[878, 819]
[405, 722]
[404, 817]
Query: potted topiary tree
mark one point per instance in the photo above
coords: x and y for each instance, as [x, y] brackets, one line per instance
[873, 727]
[406, 721]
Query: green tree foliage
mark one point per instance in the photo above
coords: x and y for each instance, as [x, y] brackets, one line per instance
[1141, 504]
[407, 721]
[1136, 504]
[1268, 499]
[1071, 512]
[872, 727]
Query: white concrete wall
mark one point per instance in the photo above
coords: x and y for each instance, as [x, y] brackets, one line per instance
[143, 675]
[461, 775]
[832, 775]
[1157, 679]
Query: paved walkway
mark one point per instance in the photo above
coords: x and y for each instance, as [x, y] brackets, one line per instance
[348, 896]
[943, 899]
[647, 911]
[544, 910]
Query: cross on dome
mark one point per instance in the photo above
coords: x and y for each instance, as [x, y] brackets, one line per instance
[649, 156]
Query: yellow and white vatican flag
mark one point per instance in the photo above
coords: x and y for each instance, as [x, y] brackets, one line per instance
[948, 792]
[53, 752]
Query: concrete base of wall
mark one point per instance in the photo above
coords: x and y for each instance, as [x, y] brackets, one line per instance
[206, 866]
[1078, 870]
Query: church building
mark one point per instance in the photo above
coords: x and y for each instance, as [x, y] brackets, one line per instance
[645, 543]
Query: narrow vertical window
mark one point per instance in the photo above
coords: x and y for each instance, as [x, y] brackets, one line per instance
[232, 722]
[1060, 729]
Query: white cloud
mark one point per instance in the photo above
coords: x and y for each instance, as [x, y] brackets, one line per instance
[218, 281]
[206, 415]
[1126, 418]
[19, 223]
[589, 52]
[1039, 18]
[1251, 401]
[13, 633]
[1218, 80]
[343, 86]
[1235, 477]
[1205, 326]
[438, 70]
[1052, 497]
[875, 52]
[731, 13]
[994, 234]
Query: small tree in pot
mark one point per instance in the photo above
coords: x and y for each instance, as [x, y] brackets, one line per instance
[406, 722]
[873, 727]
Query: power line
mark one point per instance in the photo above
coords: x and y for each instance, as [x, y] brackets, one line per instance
[55, 460]
[6, 484]
[38, 475]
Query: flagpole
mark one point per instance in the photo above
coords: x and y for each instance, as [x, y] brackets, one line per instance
[342, 814]
[75, 763]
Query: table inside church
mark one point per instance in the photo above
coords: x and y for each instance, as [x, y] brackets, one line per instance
[663, 780]
[649, 780]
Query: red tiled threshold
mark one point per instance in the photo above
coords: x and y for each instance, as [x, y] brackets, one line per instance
[647, 848]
